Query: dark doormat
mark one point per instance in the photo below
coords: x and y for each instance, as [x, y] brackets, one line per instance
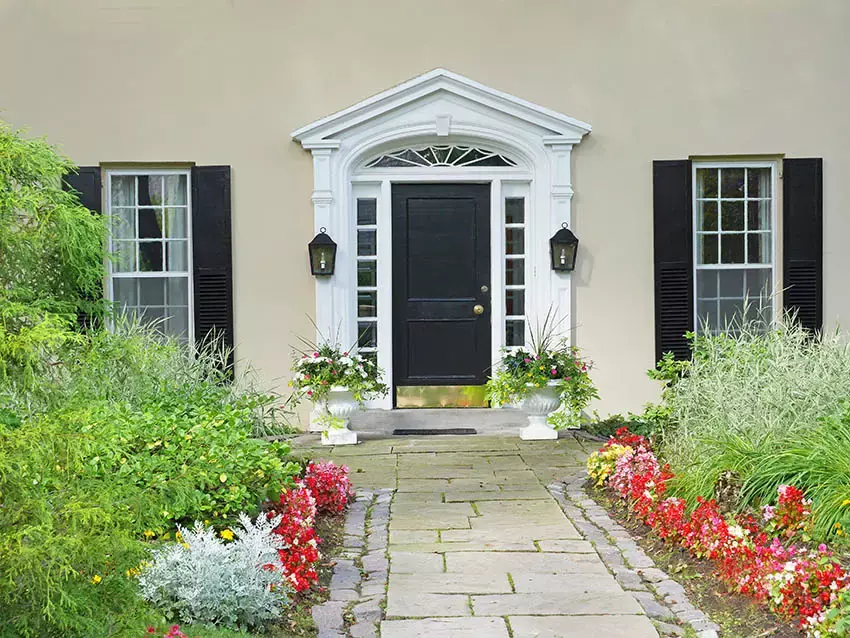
[432, 431]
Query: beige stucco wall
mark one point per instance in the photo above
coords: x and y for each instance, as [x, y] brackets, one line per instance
[225, 81]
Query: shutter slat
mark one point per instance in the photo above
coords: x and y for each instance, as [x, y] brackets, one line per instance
[673, 257]
[802, 250]
[212, 260]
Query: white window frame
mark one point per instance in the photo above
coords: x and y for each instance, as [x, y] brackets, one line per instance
[188, 274]
[774, 263]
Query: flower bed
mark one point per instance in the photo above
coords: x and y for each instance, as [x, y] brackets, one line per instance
[767, 557]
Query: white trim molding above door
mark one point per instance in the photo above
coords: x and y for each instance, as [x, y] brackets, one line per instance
[404, 135]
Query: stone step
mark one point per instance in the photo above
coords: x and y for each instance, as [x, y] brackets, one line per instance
[483, 420]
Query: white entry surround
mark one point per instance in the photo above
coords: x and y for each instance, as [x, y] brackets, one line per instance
[440, 108]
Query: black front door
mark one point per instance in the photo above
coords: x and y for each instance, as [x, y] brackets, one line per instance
[441, 282]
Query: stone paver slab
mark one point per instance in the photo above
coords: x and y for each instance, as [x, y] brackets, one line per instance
[400, 536]
[567, 546]
[415, 563]
[471, 546]
[566, 584]
[581, 627]
[412, 604]
[536, 562]
[445, 628]
[556, 603]
[493, 583]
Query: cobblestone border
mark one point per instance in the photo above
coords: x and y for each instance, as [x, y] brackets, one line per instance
[358, 586]
[663, 599]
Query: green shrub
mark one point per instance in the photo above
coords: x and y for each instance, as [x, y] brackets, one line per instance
[762, 407]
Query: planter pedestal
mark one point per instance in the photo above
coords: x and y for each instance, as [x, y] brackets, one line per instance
[340, 405]
[317, 418]
[539, 403]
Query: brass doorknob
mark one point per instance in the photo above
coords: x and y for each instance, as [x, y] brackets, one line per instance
[478, 309]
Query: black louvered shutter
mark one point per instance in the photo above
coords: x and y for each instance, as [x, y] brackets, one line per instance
[211, 240]
[673, 252]
[87, 184]
[802, 240]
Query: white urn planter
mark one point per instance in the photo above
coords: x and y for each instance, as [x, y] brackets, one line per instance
[340, 405]
[539, 403]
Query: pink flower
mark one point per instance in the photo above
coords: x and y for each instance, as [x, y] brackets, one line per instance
[554, 371]
[307, 377]
[526, 360]
[315, 355]
[309, 393]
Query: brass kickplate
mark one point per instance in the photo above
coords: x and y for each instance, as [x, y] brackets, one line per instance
[440, 396]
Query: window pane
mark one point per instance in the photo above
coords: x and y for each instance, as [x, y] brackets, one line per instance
[758, 248]
[150, 223]
[125, 291]
[515, 302]
[706, 284]
[124, 223]
[707, 215]
[707, 315]
[151, 291]
[123, 190]
[177, 291]
[178, 256]
[514, 210]
[175, 223]
[367, 334]
[732, 216]
[150, 256]
[367, 304]
[732, 249]
[515, 332]
[706, 182]
[367, 212]
[124, 256]
[731, 182]
[758, 182]
[758, 215]
[177, 324]
[367, 273]
[731, 312]
[367, 242]
[153, 315]
[731, 283]
[515, 272]
[175, 190]
[514, 241]
[759, 284]
[707, 249]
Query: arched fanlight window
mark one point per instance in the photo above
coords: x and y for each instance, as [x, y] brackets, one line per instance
[453, 155]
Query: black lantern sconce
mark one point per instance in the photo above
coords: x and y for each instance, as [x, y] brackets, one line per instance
[322, 252]
[563, 249]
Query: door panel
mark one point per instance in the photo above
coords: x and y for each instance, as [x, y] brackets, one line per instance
[441, 260]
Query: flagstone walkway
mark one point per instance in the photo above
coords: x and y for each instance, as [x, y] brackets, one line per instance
[479, 548]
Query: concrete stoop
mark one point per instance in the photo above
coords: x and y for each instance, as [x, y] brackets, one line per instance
[483, 420]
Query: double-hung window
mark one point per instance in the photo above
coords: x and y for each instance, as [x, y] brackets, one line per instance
[735, 244]
[150, 241]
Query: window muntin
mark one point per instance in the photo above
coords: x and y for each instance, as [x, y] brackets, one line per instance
[514, 220]
[150, 273]
[441, 155]
[734, 225]
[367, 275]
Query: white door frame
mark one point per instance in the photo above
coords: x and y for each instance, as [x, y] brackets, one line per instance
[440, 107]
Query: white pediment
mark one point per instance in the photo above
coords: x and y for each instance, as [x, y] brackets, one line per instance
[441, 97]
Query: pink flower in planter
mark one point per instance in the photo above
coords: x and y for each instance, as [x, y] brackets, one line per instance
[526, 360]
[554, 371]
[315, 355]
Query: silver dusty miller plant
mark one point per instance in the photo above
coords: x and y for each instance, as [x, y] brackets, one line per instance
[204, 580]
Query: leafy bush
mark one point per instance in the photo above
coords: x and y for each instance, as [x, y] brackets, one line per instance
[765, 406]
[205, 580]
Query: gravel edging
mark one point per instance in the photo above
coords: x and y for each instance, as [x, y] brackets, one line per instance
[358, 586]
[663, 599]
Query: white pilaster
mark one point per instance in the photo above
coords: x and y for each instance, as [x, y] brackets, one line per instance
[561, 194]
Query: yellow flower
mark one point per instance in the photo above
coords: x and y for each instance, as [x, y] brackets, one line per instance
[845, 502]
[186, 545]
[96, 579]
[178, 536]
[226, 534]
[149, 533]
[222, 477]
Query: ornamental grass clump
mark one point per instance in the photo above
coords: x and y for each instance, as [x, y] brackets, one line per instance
[204, 579]
[768, 408]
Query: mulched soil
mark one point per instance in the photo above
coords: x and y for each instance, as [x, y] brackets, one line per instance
[298, 621]
[737, 615]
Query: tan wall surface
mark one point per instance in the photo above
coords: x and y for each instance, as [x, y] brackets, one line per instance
[225, 81]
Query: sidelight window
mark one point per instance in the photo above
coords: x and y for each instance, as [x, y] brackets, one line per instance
[367, 275]
[734, 224]
[514, 271]
[150, 272]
